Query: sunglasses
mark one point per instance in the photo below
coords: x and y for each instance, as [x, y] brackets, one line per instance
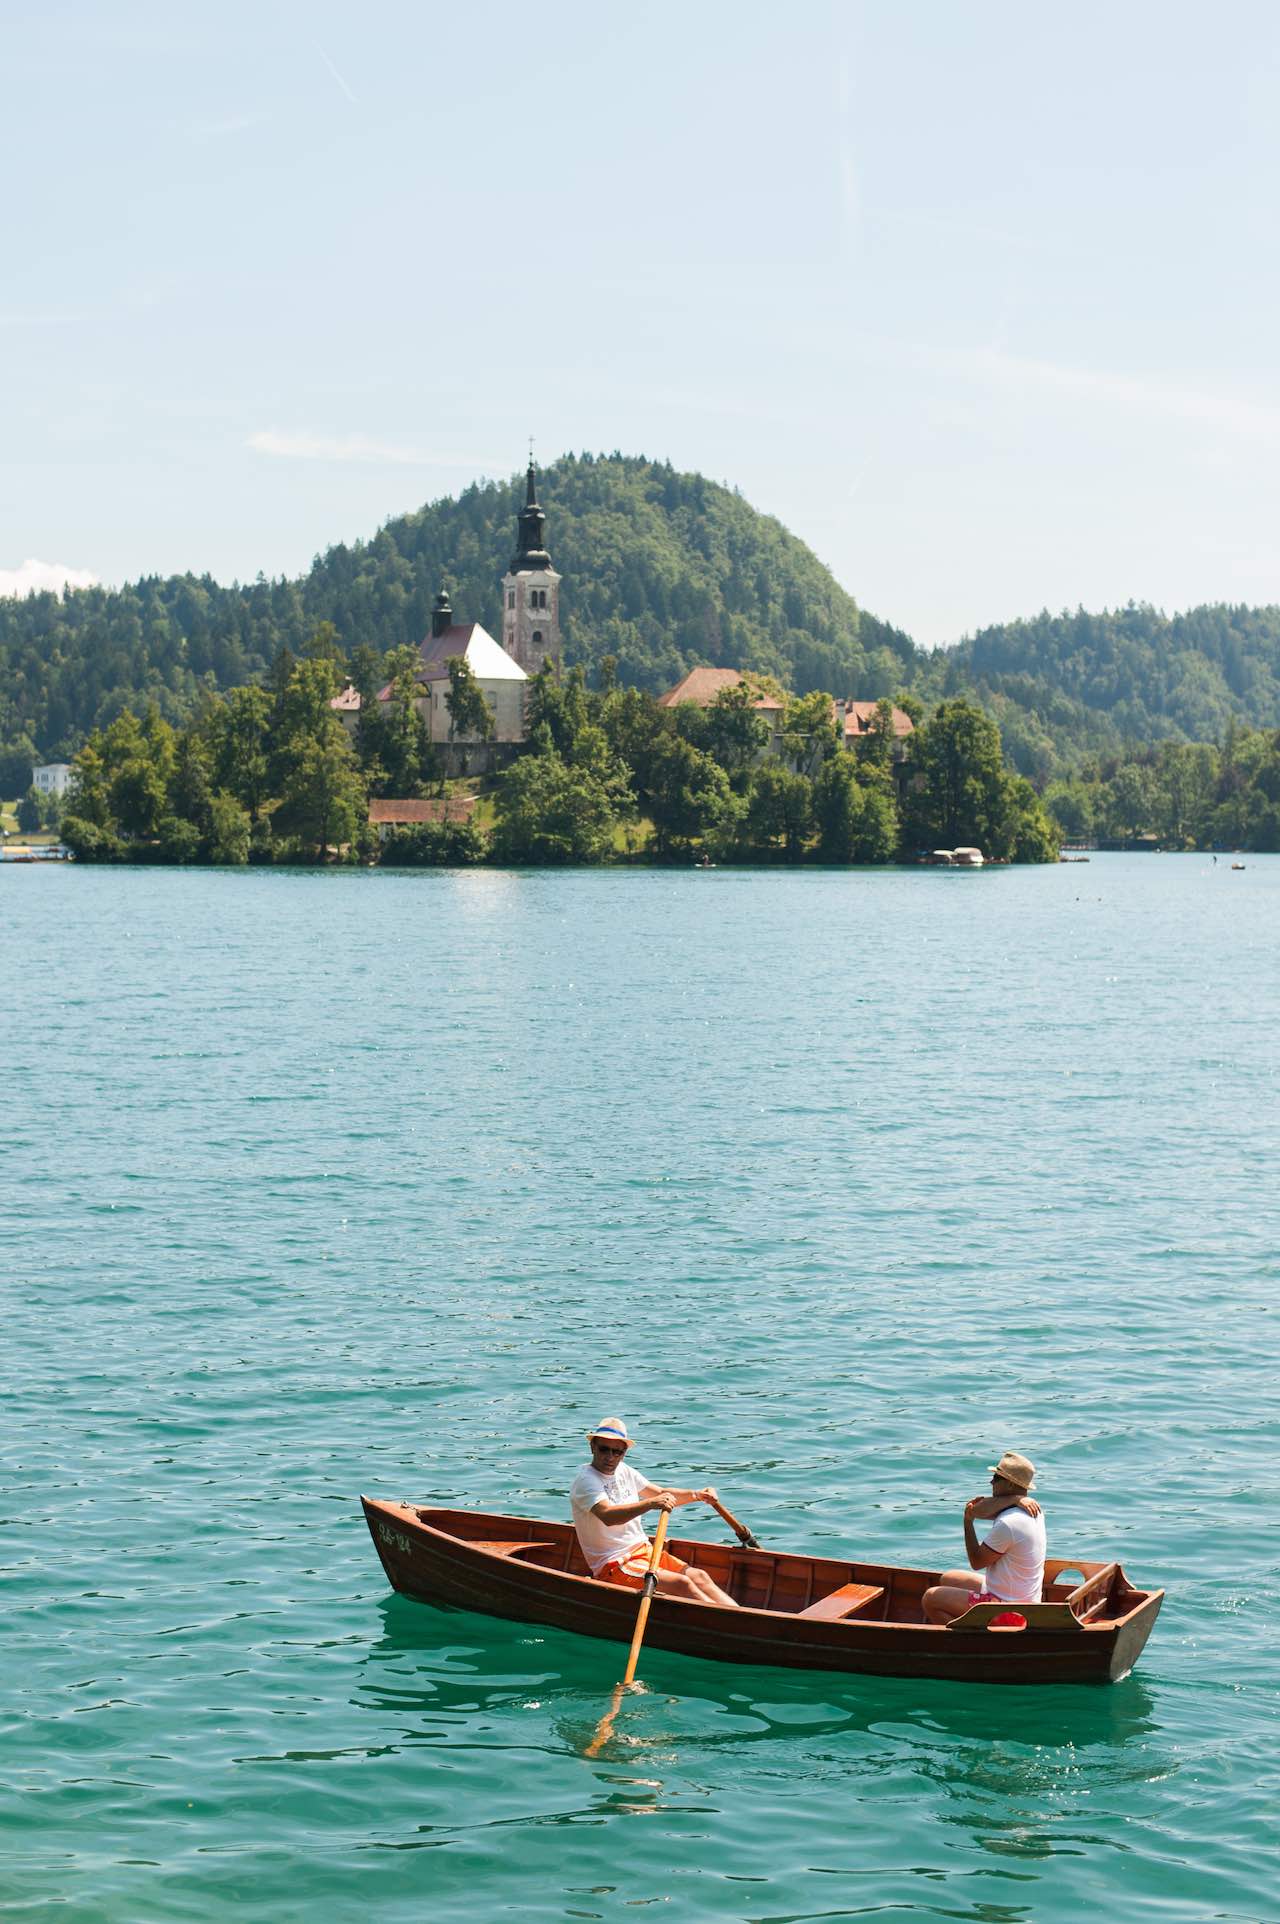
[609, 1449]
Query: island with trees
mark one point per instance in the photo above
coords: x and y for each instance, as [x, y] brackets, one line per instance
[198, 715]
[270, 773]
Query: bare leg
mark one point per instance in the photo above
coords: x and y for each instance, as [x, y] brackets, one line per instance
[950, 1596]
[693, 1586]
[711, 1591]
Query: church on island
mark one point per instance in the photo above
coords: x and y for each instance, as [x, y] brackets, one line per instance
[530, 637]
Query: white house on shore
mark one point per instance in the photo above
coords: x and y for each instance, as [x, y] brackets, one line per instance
[51, 778]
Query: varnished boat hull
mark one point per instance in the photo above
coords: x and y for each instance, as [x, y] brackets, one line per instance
[463, 1558]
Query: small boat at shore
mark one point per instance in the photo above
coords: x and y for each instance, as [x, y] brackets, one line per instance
[815, 1613]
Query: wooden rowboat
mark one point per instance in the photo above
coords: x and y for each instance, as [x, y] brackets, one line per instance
[815, 1613]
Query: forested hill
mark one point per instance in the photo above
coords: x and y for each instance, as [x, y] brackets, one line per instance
[661, 569]
[1065, 686]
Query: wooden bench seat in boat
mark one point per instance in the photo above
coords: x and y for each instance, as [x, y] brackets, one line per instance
[842, 1602]
[505, 1547]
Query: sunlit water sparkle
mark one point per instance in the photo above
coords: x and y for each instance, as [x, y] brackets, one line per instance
[833, 1183]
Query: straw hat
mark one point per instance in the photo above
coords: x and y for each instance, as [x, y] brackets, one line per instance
[614, 1428]
[1015, 1469]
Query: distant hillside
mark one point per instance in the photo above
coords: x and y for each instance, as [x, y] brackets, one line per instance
[661, 569]
[1070, 685]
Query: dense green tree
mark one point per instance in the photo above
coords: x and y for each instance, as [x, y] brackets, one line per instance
[398, 753]
[1071, 805]
[303, 709]
[190, 784]
[229, 831]
[435, 845]
[137, 796]
[810, 733]
[732, 729]
[322, 644]
[31, 812]
[779, 809]
[955, 794]
[1129, 800]
[855, 812]
[87, 798]
[470, 716]
[91, 841]
[547, 811]
[689, 796]
[18, 759]
[559, 704]
[239, 731]
[178, 840]
[634, 726]
[323, 802]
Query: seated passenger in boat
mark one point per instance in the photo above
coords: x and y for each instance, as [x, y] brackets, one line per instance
[1009, 1566]
[609, 1496]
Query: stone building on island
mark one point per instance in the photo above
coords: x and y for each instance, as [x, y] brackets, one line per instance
[502, 680]
[702, 685]
[531, 633]
[852, 718]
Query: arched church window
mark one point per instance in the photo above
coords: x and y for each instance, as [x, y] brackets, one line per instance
[537, 637]
[511, 597]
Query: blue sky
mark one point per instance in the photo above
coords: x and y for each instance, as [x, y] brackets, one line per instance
[979, 299]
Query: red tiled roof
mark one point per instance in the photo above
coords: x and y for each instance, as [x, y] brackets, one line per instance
[409, 814]
[702, 685]
[859, 715]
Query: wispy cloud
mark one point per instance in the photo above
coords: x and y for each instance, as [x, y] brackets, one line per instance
[34, 577]
[357, 447]
[1225, 413]
[334, 71]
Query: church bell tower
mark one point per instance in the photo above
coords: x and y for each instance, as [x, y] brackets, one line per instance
[531, 589]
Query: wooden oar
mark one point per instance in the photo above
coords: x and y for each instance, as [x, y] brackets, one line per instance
[604, 1729]
[740, 1530]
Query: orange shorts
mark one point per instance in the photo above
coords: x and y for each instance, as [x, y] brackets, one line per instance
[628, 1572]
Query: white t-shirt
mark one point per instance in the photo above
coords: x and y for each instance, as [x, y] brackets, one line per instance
[1018, 1573]
[603, 1542]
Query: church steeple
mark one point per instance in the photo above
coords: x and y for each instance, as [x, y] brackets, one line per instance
[531, 588]
[531, 552]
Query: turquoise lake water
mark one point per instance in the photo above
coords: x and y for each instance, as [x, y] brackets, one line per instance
[833, 1184]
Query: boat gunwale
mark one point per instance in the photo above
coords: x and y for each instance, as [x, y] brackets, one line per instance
[848, 1628]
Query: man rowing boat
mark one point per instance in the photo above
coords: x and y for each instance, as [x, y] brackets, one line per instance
[609, 1497]
[1009, 1566]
